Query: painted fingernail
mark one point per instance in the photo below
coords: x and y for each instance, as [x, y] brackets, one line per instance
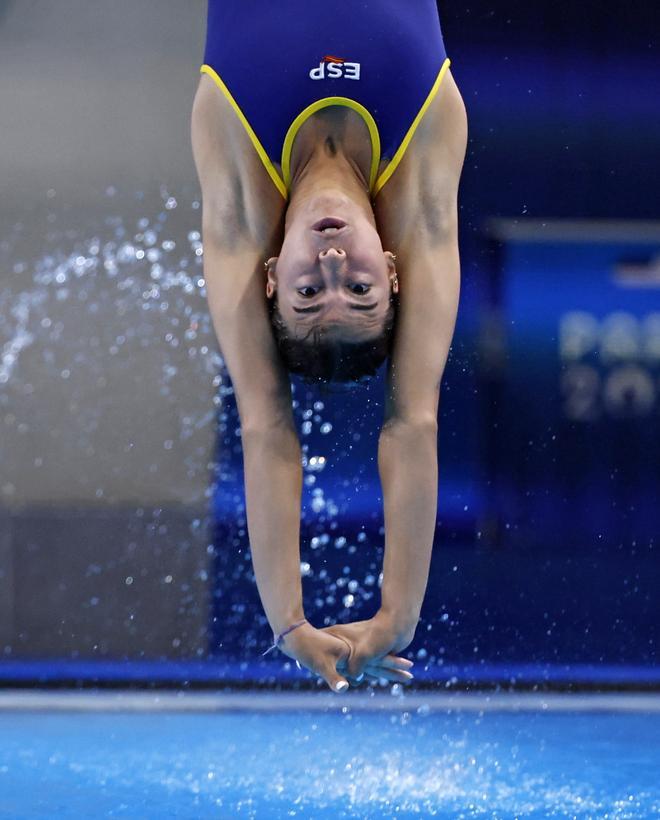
[341, 686]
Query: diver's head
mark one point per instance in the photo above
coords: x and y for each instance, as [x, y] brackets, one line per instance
[332, 290]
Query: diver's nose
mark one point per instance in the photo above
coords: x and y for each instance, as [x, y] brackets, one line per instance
[333, 256]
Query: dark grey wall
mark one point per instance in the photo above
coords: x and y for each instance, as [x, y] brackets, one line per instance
[103, 583]
[93, 93]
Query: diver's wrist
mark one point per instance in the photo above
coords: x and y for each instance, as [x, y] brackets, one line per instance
[283, 620]
[399, 623]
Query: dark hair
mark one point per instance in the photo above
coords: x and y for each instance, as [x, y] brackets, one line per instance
[328, 360]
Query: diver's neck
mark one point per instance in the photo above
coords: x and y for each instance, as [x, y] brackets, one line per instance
[321, 171]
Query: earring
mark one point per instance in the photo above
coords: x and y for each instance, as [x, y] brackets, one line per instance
[265, 265]
[393, 257]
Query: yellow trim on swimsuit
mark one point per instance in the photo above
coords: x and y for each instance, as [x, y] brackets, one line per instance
[306, 113]
[277, 179]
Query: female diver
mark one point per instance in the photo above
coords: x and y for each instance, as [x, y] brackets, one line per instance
[329, 139]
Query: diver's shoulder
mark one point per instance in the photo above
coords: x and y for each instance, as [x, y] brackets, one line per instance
[448, 102]
[435, 156]
[442, 148]
[423, 189]
[236, 190]
[438, 143]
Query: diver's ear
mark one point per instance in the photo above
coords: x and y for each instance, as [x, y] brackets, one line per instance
[391, 270]
[271, 282]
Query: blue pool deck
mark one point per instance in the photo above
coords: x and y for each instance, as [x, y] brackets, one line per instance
[364, 754]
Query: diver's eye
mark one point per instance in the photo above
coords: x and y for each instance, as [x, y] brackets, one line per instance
[358, 288]
[308, 295]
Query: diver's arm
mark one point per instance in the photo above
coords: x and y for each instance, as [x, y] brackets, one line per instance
[273, 486]
[236, 244]
[418, 219]
[407, 447]
[272, 457]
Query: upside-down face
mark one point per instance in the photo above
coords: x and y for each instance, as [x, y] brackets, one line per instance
[332, 271]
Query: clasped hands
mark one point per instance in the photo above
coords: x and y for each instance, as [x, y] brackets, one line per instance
[353, 652]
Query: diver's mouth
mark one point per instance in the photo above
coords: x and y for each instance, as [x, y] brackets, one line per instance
[329, 226]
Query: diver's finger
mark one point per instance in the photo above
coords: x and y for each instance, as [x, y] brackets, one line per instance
[396, 662]
[391, 662]
[377, 666]
[397, 675]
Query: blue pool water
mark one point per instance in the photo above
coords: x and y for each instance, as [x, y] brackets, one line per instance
[316, 764]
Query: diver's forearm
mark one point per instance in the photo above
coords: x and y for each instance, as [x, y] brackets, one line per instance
[408, 468]
[273, 487]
